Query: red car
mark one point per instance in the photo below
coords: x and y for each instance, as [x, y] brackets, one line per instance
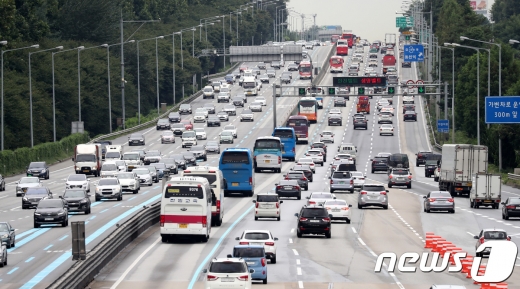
[187, 124]
[242, 68]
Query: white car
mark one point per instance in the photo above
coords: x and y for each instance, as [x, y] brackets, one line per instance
[372, 62]
[386, 129]
[199, 117]
[78, 181]
[167, 137]
[129, 182]
[316, 155]
[408, 99]
[358, 178]
[223, 116]
[189, 138]
[267, 205]
[327, 136]
[109, 188]
[200, 133]
[203, 111]
[109, 170]
[335, 111]
[309, 162]
[144, 176]
[388, 108]
[360, 56]
[260, 237]
[208, 92]
[231, 273]
[382, 103]
[258, 85]
[231, 128]
[319, 198]
[247, 115]
[261, 99]
[121, 165]
[256, 106]
[384, 117]
[339, 209]
[343, 157]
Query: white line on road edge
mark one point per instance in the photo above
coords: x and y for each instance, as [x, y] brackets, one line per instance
[295, 252]
[300, 284]
[470, 234]
[135, 263]
[361, 241]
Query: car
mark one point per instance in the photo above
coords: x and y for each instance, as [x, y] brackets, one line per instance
[180, 160]
[306, 169]
[386, 129]
[78, 200]
[34, 195]
[284, 79]
[215, 120]
[327, 136]
[307, 161]
[129, 181]
[246, 115]
[410, 115]
[226, 136]
[334, 165]
[199, 117]
[334, 119]
[381, 103]
[210, 108]
[222, 116]
[2, 183]
[185, 108]
[109, 188]
[292, 67]
[178, 128]
[199, 151]
[429, 168]
[187, 124]
[343, 91]
[288, 74]
[438, 201]
[489, 235]
[229, 78]
[163, 123]
[223, 97]
[384, 117]
[276, 64]
[160, 169]
[230, 109]
[343, 157]
[167, 137]
[319, 198]
[255, 106]
[289, 189]
[379, 164]
[78, 181]
[372, 62]
[406, 64]
[300, 177]
[255, 258]
[231, 128]
[408, 99]
[341, 181]
[264, 78]
[228, 273]
[242, 68]
[511, 208]
[267, 205]
[373, 55]
[27, 182]
[200, 133]
[174, 117]
[189, 138]
[144, 175]
[271, 73]
[339, 209]
[320, 145]
[213, 147]
[387, 108]
[256, 70]
[216, 85]
[8, 234]
[358, 178]
[38, 169]
[316, 155]
[340, 101]
[152, 156]
[261, 99]
[373, 195]
[361, 122]
[171, 167]
[260, 237]
[408, 107]
[313, 219]
[261, 65]
[202, 110]
[51, 211]
[136, 139]
[399, 177]
[238, 101]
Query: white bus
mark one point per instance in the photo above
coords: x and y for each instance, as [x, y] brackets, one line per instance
[186, 208]
[268, 154]
[249, 86]
[217, 184]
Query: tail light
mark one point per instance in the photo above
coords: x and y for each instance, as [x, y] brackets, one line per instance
[250, 181]
[431, 199]
[286, 177]
[363, 192]
[344, 209]
[256, 205]
[351, 182]
[303, 219]
[383, 193]
[392, 129]
[390, 176]
[320, 155]
[328, 208]
[508, 238]
[218, 206]
[162, 219]
[204, 222]
[293, 150]
[481, 240]
[303, 179]
[269, 243]
[409, 177]
[307, 134]
[244, 243]
[279, 187]
[331, 182]
[212, 278]
[296, 187]
[279, 160]
[277, 205]
[243, 278]
[507, 207]
[298, 162]
[263, 262]
[326, 219]
[312, 203]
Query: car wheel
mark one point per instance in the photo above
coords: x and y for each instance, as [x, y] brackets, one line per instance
[409, 186]
[389, 185]
[359, 206]
[256, 218]
[328, 235]
[348, 221]
[299, 197]
[506, 217]
[385, 207]
[331, 191]
[452, 211]
[65, 223]
[273, 260]
[298, 234]
[265, 280]
[97, 199]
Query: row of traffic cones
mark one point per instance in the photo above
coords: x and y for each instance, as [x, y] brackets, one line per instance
[439, 245]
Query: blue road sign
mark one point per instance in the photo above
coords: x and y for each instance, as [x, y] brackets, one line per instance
[502, 109]
[413, 53]
[443, 125]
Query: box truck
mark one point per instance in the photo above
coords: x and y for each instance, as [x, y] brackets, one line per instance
[486, 191]
[87, 159]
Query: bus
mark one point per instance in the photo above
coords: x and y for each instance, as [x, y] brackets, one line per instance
[300, 124]
[336, 64]
[308, 106]
[236, 165]
[334, 38]
[268, 154]
[342, 47]
[349, 37]
[186, 208]
[288, 137]
[217, 184]
[305, 70]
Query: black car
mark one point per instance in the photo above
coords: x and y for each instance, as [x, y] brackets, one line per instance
[511, 208]
[275, 64]
[264, 78]
[213, 121]
[379, 164]
[410, 115]
[174, 117]
[340, 101]
[190, 159]
[32, 196]
[313, 219]
[300, 177]
[210, 108]
[289, 189]
[335, 119]
[238, 101]
[51, 211]
[171, 166]
[306, 169]
[163, 123]
[38, 169]
[398, 161]
[420, 158]
[200, 152]
[360, 122]
[429, 168]
[292, 67]
[136, 139]
[406, 64]
[185, 108]
[213, 146]
[181, 161]
[8, 234]
[77, 200]
[285, 79]
[408, 107]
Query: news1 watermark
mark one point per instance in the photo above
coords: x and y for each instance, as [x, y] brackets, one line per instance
[499, 267]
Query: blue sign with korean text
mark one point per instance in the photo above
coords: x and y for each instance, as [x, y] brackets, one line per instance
[413, 53]
[443, 125]
[502, 109]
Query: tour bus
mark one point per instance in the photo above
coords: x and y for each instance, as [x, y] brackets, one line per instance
[249, 86]
[334, 38]
[300, 124]
[305, 70]
[217, 184]
[336, 64]
[236, 165]
[268, 154]
[308, 106]
[288, 138]
[349, 37]
[342, 47]
[186, 208]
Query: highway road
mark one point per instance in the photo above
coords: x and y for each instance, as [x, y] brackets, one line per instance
[346, 260]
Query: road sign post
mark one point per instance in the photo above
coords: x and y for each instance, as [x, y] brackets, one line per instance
[443, 125]
[413, 53]
[502, 109]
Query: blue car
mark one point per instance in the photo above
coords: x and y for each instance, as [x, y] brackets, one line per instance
[254, 255]
[229, 78]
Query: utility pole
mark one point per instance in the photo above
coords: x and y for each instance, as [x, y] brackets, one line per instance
[314, 16]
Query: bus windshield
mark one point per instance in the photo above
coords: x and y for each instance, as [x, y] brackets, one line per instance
[336, 60]
[184, 191]
[268, 145]
[283, 133]
[297, 122]
[308, 103]
[305, 68]
[235, 157]
[248, 85]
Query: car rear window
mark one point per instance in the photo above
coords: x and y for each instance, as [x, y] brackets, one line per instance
[228, 267]
[381, 160]
[314, 212]
[495, 235]
[248, 252]
[294, 175]
[373, 188]
[321, 196]
[514, 201]
[399, 172]
[264, 198]
[36, 191]
[256, 236]
[341, 175]
[440, 195]
[335, 203]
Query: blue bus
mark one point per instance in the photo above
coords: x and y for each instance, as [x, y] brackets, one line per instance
[236, 165]
[288, 137]
[268, 154]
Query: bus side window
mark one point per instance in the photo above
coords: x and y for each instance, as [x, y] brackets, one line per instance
[213, 199]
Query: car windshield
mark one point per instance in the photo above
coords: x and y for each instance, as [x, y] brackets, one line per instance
[341, 175]
[228, 267]
[227, 133]
[107, 182]
[431, 162]
[387, 126]
[74, 194]
[36, 191]
[126, 176]
[229, 127]
[50, 204]
[495, 235]
[335, 203]
[249, 252]
[305, 161]
[29, 181]
[267, 198]
[256, 236]
[135, 136]
[229, 106]
[208, 89]
[85, 158]
[167, 133]
[37, 165]
[3, 227]
[321, 196]
[188, 134]
[373, 188]
[400, 172]
[109, 167]
[222, 113]
[198, 113]
[247, 111]
[317, 212]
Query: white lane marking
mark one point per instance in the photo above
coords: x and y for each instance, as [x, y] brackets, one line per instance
[354, 230]
[292, 230]
[470, 234]
[298, 262]
[300, 284]
[290, 240]
[295, 252]
[299, 270]
[361, 241]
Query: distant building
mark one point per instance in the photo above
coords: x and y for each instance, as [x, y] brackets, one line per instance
[325, 32]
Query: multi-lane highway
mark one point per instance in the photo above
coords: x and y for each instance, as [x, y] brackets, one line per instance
[346, 260]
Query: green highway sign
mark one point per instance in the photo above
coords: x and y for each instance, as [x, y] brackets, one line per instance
[361, 90]
[391, 90]
[332, 90]
[301, 91]
[407, 37]
[403, 22]
[421, 89]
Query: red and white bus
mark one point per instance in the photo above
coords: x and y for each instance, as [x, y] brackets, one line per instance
[349, 37]
[334, 38]
[336, 64]
[342, 47]
[305, 70]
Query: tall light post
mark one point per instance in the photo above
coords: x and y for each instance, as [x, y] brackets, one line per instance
[79, 76]
[157, 71]
[206, 28]
[180, 33]
[173, 63]
[2, 80]
[452, 92]
[224, 39]
[30, 90]
[205, 21]
[276, 22]
[193, 39]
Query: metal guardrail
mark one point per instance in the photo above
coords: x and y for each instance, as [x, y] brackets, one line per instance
[513, 177]
[79, 275]
[435, 144]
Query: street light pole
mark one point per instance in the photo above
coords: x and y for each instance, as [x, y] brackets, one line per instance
[224, 38]
[452, 91]
[157, 71]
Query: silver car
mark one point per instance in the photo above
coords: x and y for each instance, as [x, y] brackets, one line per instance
[400, 177]
[223, 116]
[439, 201]
[385, 117]
[373, 195]
[167, 137]
[26, 182]
[341, 181]
[109, 188]
[230, 109]
[144, 175]
[226, 137]
[256, 106]
[247, 115]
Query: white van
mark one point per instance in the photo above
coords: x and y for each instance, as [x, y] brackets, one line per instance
[132, 160]
[186, 208]
[114, 153]
[217, 183]
[348, 149]
[189, 138]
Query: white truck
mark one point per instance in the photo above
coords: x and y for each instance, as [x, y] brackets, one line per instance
[458, 165]
[486, 191]
[132, 160]
[249, 86]
[87, 159]
[113, 153]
